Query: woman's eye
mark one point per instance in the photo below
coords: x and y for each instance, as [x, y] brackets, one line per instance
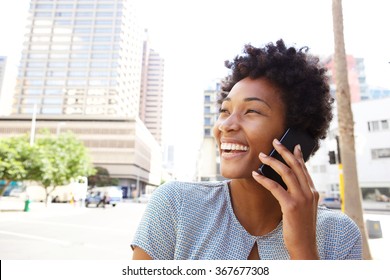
[253, 111]
[222, 110]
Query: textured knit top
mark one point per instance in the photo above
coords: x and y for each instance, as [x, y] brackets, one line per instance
[196, 221]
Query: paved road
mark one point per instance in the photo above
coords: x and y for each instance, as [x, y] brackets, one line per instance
[63, 231]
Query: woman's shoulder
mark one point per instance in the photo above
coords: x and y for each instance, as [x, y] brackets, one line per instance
[176, 190]
[337, 221]
[338, 235]
[182, 186]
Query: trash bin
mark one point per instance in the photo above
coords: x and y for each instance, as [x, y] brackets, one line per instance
[374, 229]
[27, 205]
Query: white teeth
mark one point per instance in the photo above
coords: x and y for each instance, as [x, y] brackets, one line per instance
[230, 146]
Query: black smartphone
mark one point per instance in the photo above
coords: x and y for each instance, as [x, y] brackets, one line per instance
[290, 139]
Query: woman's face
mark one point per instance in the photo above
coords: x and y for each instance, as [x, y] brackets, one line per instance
[251, 116]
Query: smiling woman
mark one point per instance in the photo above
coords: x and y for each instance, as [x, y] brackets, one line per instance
[249, 216]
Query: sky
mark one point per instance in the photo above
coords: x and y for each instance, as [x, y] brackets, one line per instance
[196, 37]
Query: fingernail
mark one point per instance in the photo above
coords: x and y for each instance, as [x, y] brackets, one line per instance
[254, 173]
[276, 141]
[299, 149]
[263, 155]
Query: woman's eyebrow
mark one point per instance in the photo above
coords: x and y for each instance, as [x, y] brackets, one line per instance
[249, 99]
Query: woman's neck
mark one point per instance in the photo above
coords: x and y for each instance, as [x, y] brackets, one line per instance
[255, 207]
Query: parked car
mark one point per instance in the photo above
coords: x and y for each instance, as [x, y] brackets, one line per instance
[104, 196]
[330, 202]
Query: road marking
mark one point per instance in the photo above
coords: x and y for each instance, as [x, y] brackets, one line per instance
[29, 236]
[77, 226]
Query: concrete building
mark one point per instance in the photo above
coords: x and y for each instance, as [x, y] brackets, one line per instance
[356, 77]
[123, 146]
[209, 162]
[378, 92]
[3, 62]
[372, 134]
[152, 91]
[80, 70]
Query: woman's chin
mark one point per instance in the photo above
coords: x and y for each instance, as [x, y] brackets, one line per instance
[235, 174]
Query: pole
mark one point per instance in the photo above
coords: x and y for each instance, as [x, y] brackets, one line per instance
[341, 177]
[341, 187]
[33, 123]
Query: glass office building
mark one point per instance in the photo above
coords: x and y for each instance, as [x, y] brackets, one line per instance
[80, 57]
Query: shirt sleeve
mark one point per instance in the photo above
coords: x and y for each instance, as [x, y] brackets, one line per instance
[156, 233]
[350, 243]
[338, 236]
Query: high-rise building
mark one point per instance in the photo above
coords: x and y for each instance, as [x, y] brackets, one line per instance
[152, 90]
[208, 163]
[356, 77]
[80, 58]
[3, 62]
[378, 92]
[80, 71]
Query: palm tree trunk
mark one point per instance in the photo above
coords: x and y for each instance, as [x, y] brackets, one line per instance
[352, 196]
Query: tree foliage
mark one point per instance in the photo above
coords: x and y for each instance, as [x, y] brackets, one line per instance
[15, 160]
[102, 178]
[51, 161]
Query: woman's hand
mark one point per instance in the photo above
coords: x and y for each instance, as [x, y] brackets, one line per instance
[298, 204]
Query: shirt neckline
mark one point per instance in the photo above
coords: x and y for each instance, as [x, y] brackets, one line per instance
[239, 225]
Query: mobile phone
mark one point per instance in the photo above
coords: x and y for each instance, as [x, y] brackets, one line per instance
[290, 139]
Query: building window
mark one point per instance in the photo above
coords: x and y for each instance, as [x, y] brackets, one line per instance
[53, 91]
[44, 6]
[55, 82]
[102, 38]
[56, 101]
[81, 30]
[380, 153]
[57, 64]
[103, 22]
[373, 126]
[78, 64]
[378, 125]
[385, 124]
[55, 111]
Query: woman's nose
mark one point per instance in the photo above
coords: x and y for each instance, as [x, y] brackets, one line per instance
[228, 124]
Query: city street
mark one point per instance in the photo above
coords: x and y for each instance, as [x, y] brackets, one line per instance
[73, 232]
[69, 232]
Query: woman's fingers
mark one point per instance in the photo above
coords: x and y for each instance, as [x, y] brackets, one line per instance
[311, 190]
[291, 172]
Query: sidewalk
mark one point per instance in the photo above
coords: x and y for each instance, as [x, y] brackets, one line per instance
[13, 208]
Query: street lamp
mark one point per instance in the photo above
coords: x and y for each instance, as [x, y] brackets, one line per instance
[33, 122]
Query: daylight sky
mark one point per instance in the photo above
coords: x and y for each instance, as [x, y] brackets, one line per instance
[196, 37]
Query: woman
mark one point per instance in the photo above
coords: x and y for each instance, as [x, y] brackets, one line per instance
[250, 216]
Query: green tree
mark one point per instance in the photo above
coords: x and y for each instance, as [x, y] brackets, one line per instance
[59, 159]
[352, 195]
[15, 160]
[102, 178]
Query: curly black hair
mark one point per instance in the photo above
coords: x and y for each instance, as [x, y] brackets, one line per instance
[302, 81]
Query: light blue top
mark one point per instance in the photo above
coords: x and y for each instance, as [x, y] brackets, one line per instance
[196, 221]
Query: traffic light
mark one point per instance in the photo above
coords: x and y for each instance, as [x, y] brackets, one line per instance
[332, 157]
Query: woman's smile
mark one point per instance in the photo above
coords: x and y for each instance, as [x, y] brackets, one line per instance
[233, 151]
